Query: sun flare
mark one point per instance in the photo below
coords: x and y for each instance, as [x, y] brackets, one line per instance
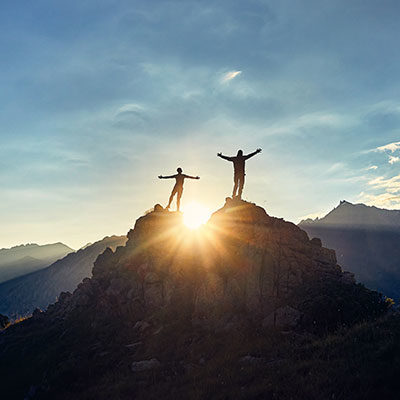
[195, 215]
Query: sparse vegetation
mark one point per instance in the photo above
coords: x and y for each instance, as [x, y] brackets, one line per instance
[358, 362]
[328, 306]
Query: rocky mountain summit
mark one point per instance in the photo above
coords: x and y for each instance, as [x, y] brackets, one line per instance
[242, 259]
[235, 295]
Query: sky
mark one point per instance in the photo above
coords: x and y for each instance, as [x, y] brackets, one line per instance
[99, 97]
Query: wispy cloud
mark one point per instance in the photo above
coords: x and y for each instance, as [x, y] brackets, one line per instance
[383, 200]
[229, 76]
[393, 159]
[389, 149]
[391, 185]
[372, 167]
[336, 167]
[392, 147]
[135, 108]
[382, 192]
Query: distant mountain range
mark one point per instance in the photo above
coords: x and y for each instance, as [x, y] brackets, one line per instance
[20, 296]
[26, 258]
[366, 240]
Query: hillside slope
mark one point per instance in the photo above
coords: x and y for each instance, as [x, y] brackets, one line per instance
[20, 296]
[366, 239]
[228, 311]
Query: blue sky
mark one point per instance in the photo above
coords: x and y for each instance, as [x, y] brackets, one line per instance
[100, 97]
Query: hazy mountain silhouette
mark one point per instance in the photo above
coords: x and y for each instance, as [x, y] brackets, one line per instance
[237, 309]
[366, 240]
[26, 258]
[20, 296]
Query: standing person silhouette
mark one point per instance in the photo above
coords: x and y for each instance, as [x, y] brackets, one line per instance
[178, 188]
[238, 166]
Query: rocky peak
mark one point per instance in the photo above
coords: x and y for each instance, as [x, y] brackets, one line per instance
[347, 214]
[241, 259]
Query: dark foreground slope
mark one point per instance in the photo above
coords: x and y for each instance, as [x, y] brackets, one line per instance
[366, 239]
[20, 296]
[240, 309]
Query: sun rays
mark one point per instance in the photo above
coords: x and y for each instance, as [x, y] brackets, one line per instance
[195, 215]
[188, 238]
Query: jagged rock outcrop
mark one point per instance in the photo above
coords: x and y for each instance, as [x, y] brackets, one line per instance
[242, 260]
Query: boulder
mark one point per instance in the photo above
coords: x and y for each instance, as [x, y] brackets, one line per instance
[64, 297]
[316, 242]
[158, 208]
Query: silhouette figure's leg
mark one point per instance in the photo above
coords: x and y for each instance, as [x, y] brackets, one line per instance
[241, 184]
[171, 197]
[170, 200]
[178, 200]
[235, 186]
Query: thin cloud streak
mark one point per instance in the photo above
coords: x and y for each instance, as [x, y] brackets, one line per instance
[230, 75]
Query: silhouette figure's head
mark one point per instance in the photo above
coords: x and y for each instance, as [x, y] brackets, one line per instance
[240, 153]
[179, 170]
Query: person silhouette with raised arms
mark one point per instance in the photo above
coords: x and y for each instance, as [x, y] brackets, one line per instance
[178, 188]
[239, 170]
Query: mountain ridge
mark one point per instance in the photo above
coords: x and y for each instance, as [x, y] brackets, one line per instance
[177, 313]
[21, 295]
[358, 215]
[366, 240]
[14, 261]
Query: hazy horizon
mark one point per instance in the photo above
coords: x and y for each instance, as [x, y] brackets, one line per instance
[99, 98]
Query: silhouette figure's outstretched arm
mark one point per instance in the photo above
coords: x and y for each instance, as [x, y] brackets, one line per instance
[225, 157]
[191, 177]
[252, 154]
[166, 177]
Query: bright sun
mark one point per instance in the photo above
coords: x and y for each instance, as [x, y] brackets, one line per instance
[195, 215]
